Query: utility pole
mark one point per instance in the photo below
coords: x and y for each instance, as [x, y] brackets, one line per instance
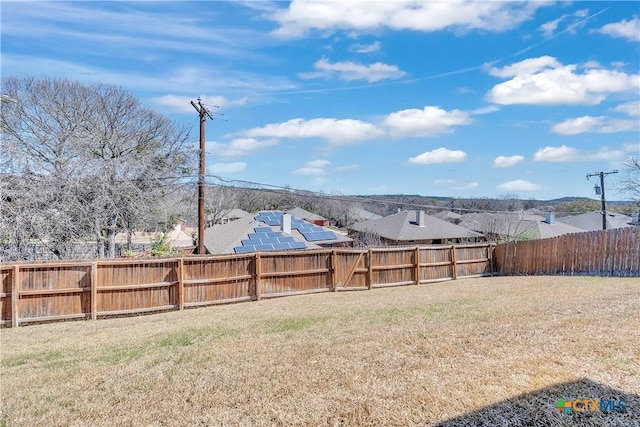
[600, 190]
[203, 113]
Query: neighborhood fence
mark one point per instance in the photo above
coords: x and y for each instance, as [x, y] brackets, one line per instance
[92, 290]
[614, 252]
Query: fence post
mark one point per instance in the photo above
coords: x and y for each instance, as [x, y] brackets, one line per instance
[334, 276]
[94, 290]
[369, 268]
[454, 263]
[257, 275]
[15, 296]
[180, 289]
[490, 249]
[416, 267]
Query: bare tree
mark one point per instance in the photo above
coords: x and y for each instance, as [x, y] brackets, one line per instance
[91, 159]
[368, 239]
[630, 183]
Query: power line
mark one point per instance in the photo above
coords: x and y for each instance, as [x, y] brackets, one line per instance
[309, 193]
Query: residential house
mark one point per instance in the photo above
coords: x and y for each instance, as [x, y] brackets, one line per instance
[516, 225]
[414, 228]
[592, 221]
[270, 231]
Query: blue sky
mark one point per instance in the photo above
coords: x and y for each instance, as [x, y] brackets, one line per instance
[458, 99]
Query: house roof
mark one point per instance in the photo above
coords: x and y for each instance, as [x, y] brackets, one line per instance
[592, 221]
[305, 215]
[402, 226]
[515, 224]
[242, 235]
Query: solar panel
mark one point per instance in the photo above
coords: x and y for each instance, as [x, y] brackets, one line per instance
[316, 236]
[257, 235]
[270, 240]
[281, 246]
[330, 235]
[266, 239]
[264, 247]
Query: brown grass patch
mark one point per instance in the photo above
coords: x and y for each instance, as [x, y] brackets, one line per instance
[500, 350]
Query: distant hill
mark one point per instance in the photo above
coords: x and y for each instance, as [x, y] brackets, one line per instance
[409, 201]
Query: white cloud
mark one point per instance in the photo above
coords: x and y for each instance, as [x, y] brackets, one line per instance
[628, 29]
[316, 167]
[336, 132]
[544, 81]
[633, 147]
[339, 132]
[227, 168]
[484, 110]
[365, 48]
[519, 185]
[349, 71]
[183, 103]
[526, 66]
[568, 154]
[590, 124]
[428, 121]
[240, 147]
[604, 154]
[631, 108]
[582, 13]
[591, 64]
[506, 161]
[439, 155]
[327, 16]
[556, 154]
[548, 28]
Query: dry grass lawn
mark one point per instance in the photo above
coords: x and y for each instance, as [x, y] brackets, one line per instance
[493, 350]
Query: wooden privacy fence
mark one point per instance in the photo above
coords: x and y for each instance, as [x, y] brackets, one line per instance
[91, 290]
[613, 252]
